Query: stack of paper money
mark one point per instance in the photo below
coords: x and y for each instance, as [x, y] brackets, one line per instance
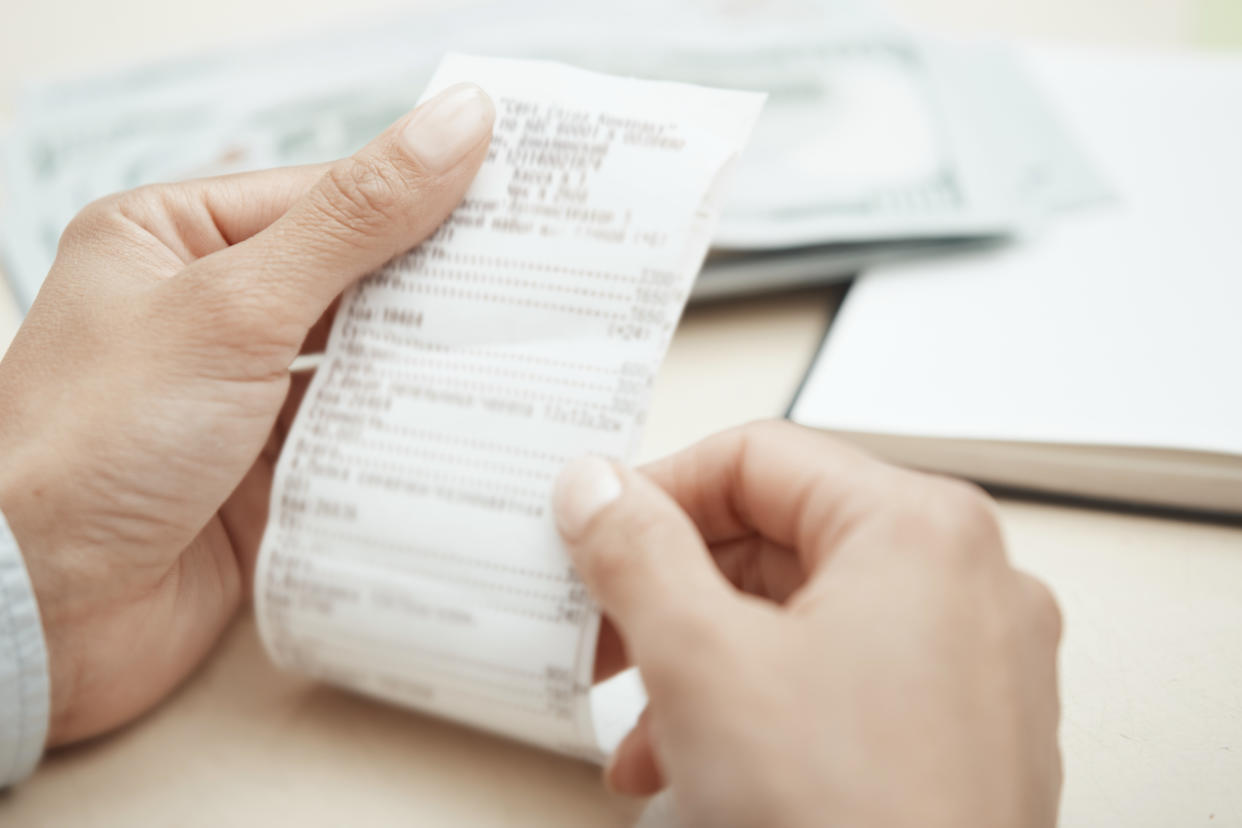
[874, 144]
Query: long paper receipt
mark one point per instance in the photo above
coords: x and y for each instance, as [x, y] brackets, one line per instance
[411, 552]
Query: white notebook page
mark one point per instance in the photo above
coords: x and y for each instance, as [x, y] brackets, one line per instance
[1117, 325]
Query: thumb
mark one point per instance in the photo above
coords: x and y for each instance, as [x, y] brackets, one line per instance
[641, 558]
[365, 210]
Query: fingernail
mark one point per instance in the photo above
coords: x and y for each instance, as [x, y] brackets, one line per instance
[445, 128]
[583, 489]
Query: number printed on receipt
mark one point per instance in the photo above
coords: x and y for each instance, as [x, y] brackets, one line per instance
[411, 553]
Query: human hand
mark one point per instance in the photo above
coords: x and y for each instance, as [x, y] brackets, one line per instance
[825, 639]
[144, 401]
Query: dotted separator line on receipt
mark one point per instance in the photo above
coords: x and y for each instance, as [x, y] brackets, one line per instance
[475, 443]
[421, 344]
[348, 537]
[498, 299]
[525, 284]
[517, 375]
[405, 473]
[508, 500]
[480, 583]
[390, 447]
[482, 388]
[479, 260]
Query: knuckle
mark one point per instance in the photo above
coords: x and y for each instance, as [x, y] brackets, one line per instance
[760, 436]
[768, 428]
[364, 194]
[145, 197]
[779, 437]
[970, 508]
[117, 213]
[93, 220]
[953, 521]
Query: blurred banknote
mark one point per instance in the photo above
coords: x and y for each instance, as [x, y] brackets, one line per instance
[874, 143]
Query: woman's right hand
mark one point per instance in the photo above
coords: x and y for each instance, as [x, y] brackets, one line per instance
[825, 639]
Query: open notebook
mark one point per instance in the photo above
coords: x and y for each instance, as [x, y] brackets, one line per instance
[1101, 357]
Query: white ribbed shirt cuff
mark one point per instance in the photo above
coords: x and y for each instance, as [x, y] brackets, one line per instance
[25, 689]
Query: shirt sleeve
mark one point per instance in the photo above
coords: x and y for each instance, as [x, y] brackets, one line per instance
[24, 684]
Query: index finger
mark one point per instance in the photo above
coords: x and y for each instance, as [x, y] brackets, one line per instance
[243, 204]
[196, 218]
[797, 487]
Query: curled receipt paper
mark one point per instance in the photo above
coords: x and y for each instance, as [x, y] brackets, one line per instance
[411, 552]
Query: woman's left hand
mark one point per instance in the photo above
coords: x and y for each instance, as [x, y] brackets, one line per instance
[144, 401]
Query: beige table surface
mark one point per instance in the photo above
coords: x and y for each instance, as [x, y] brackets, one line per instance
[1152, 660]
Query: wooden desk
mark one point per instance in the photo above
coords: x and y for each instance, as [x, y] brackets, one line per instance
[1152, 660]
